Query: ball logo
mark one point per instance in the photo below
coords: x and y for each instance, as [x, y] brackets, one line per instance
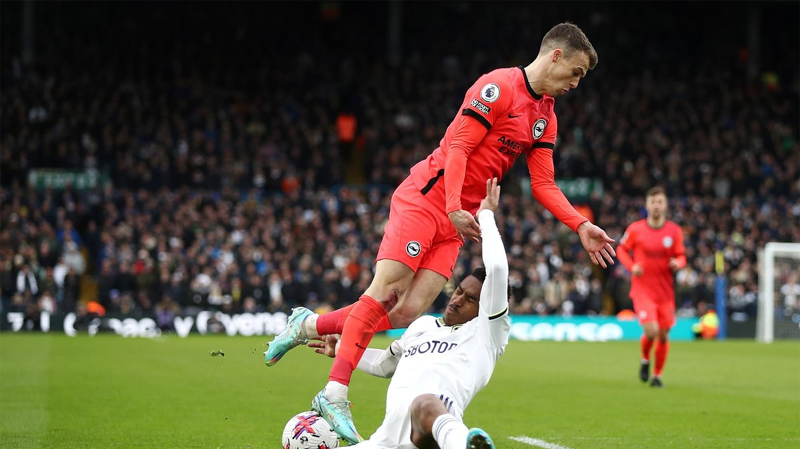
[538, 128]
[490, 93]
[413, 248]
[305, 424]
[667, 242]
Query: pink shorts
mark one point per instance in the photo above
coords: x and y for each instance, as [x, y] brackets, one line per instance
[648, 310]
[419, 234]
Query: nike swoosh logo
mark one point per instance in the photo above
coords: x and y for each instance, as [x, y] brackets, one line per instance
[358, 345]
[513, 116]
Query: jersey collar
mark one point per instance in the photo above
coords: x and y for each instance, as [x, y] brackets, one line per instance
[440, 323]
[528, 85]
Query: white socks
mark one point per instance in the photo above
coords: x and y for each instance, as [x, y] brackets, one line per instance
[449, 432]
[310, 326]
[335, 391]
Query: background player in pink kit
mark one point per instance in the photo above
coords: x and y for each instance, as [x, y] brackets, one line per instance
[505, 114]
[658, 252]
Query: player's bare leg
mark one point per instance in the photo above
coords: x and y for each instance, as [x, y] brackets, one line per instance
[424, 289]
[662, 350]
[648, 337]
[433, 427]
[424, 411]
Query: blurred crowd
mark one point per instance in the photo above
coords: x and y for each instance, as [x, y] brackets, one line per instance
[250, 177]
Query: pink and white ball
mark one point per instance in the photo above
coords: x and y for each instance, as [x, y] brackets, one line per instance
[307, 430]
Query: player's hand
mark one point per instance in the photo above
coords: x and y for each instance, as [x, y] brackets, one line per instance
[465, 225]
[637, 270]
[492, 199]
[597, 243]
[673, 265]
[325, 345]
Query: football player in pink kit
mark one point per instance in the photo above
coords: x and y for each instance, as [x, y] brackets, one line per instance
[506, 113]
[658, 252]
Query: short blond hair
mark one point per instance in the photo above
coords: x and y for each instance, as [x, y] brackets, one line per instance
[657, 190]
[570, 38]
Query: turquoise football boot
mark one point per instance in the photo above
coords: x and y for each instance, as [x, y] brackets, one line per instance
[478, 439]
[293, 335]
[338, 415]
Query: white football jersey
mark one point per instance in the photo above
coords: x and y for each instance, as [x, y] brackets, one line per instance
[451, 362]
[439, 359]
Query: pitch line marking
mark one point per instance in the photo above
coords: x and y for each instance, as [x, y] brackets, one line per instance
[537, 442]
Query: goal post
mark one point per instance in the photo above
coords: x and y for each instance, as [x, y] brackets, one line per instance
[778, 272]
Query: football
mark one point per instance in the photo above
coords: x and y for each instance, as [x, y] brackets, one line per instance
[307, 430]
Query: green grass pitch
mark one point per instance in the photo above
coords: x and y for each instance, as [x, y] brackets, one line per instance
[111, 392]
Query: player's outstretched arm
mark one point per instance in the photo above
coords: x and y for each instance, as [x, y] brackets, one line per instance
[543, 187]
[381, 363]
[494, 294]
[376, 362]
[597, 243]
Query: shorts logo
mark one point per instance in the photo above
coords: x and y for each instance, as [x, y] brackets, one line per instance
[538, 128]
[413, 248]
[490, 93]
[480, 106]
[667, 242]
[643, 314]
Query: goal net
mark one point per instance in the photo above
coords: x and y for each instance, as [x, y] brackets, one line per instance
[779, 292]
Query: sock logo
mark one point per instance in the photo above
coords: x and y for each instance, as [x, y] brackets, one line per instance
[413, 248]
[359, 346]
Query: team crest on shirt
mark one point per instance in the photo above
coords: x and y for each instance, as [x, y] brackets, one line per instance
[413, 248]
[538, 128]
[490, 93]
[667, 242]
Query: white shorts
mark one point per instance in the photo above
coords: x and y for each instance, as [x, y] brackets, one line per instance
[395, 431]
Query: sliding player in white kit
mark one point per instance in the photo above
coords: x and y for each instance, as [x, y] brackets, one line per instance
[440, 364]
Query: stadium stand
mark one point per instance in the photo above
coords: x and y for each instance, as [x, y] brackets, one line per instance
[247, 164]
